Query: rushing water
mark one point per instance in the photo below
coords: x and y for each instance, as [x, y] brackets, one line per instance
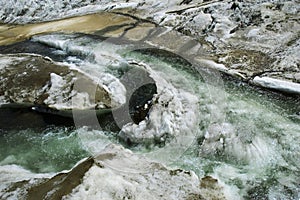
[247, 138]
[50, 150]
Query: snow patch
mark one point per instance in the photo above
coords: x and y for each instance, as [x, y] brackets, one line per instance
[56, 92]
[253, 33]
[213, 65]
[9, 60]
[3, 100]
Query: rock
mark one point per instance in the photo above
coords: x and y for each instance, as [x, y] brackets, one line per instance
[210, 188]
[246, 62]
[200, 22]
[297, 77]
[61, 184]
[139, 32]
[34, 87]
[34, 79]
[249, 38]
[117, 173]
[45, 187]
[291, 7]
[140, 89]
[32, 47]
[220, 18]
[84, 24]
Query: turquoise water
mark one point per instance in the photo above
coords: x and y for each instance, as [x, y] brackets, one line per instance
[51, 150]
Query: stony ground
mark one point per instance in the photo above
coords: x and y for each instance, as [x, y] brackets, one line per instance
[253, 39]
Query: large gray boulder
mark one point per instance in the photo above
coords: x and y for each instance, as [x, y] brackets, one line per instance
[33, 79]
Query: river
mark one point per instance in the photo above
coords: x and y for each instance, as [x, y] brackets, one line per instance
[200, 120]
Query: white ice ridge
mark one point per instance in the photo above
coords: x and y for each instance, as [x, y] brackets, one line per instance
[276, 84]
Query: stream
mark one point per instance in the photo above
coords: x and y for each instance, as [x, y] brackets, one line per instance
[200, 120]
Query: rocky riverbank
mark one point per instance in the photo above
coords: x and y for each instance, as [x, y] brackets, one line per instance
[258, 41]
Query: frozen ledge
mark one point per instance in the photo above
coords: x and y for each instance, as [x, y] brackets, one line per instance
[280, 85]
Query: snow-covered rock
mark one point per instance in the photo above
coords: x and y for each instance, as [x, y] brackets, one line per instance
[117, 173]
[33, 79]
[167, 116]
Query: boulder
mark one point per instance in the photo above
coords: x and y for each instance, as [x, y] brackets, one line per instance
[33, 79]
